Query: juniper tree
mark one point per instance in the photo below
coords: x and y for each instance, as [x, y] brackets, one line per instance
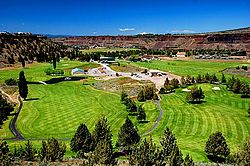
[128, 135]
[82, 140]
[22, 85]
[216, 145]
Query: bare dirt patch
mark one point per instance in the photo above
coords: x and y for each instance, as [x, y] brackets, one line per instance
[120, 84]
[125, 68]
[234, 71]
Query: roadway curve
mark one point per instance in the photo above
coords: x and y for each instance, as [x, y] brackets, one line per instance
[17, 134]
[157, 102]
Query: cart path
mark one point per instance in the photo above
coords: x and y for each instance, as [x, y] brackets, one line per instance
[157, 102]
[13, 129]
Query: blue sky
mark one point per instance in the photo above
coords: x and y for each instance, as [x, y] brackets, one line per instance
[113, 17]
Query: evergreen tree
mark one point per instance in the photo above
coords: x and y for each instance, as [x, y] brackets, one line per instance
[29, 151]
[5, 109]
[195, 94]
[199, 79]
[101, 131]
[82, 140]
[124, 96]
[141, 113]
[149, 92]
[242, 156]
[5, 155]
[183, 81]
[188, 161]
[52, 150]
[170, 153]
[103, 153]
[217, 146]
[236, 86]
[128, 135]
[167, 82]
[22, 85]
[54, 62]
[141, 95]
[214, 79]
[132, 107]
[145, 155]
[223, 79]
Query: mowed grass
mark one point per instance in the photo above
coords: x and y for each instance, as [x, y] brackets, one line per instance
[193, 123]
[191, 67]
[61, 107]
[106, 50]
[58, 109]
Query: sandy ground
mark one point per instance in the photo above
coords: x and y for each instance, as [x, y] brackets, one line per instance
[108, 73]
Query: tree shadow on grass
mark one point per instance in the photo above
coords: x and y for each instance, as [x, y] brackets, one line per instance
[133, 113]
[61, 79]
[143, 121]
[30, 99]
[197, 102]
[216, 159]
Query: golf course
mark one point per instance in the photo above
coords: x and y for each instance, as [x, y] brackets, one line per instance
[57, 109]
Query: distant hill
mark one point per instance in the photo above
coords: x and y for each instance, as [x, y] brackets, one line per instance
[237, 39]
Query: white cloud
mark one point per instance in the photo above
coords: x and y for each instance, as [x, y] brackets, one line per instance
[94, 33]
[144, 33]
[126, 29]
[183, 31]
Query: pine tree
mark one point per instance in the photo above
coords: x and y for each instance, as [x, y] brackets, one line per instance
[29, 151]
[22, 85]
[217, 146]
[102, 131]
[103, 153]
[52, 150]
[188, 161]
[5, 109]
[54, 62]
[170, 153]
[128, 135]
[146, 154]
[141, 95]
[223, 79]
[82, 140]
[123, 96]
[141, 113]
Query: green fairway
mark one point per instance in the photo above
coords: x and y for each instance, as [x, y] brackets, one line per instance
[192, 124]
[106, 50]
[193, 68]
[60, 108]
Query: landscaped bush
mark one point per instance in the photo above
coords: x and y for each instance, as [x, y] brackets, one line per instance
[50, 71]
[11, 81]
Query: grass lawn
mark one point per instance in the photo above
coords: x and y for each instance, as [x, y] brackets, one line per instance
[106, 50]
[192, 124]
[193, 68]
[58, 109]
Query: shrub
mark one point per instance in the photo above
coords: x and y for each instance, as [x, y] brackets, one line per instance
[11, 81]
[50, 71]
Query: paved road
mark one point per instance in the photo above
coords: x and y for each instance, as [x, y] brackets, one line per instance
[157, 102]
[17, 134]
